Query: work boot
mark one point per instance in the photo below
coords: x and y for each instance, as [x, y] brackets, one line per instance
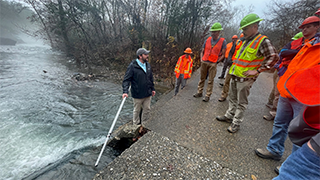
[220, 77]
[221, 99]
[233, 128]
[268, 117]
[221, 85]
[196, 95]
[206, 99]
[224, 118]
[265, 154]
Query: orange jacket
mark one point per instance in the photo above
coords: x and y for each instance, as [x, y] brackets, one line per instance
[238, 45]
[184, 66]
[211, 53]
[229, 46]
[308, 56]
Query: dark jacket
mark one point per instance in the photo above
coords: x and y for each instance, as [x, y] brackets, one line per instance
[141, 82]
[301, 131]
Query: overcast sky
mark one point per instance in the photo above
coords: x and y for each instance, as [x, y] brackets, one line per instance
[260, 6]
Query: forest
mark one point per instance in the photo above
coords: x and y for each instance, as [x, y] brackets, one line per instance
[107, 33]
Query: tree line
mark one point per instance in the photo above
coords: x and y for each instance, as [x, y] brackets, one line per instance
[108, 32]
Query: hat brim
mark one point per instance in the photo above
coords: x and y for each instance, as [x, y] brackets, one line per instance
[257, 20]
[216, 29]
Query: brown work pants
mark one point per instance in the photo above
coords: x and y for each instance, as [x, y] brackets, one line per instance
[225, 89]
[209, 69]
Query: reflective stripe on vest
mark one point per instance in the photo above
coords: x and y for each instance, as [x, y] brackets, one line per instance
[211, 53]
[247, 59]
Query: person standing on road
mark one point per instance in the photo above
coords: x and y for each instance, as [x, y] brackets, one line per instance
[212, 52]
[227, 62]
[139, 76]
[225, 87]
[255, 55]
[183, 70]
[288, 108]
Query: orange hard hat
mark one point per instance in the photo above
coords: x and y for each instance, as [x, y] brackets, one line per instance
[318, 12]
[311, 19]
[234, 37]
[188, 51]
[241, 35]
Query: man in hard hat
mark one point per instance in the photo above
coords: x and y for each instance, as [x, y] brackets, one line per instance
[225, 86]
[225, 63]
[288, 107]
[255, 55]
[183, 70]
[211, 53]
[286, 54]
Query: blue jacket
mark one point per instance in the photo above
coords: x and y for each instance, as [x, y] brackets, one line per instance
[141, 82]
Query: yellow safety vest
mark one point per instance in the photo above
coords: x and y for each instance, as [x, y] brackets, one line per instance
[247, 59]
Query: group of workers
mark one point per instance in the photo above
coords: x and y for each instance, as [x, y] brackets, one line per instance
[244, 59]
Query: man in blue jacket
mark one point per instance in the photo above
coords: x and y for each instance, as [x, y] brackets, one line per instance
[139, 76]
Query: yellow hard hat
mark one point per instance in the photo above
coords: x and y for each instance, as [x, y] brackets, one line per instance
[216, 27]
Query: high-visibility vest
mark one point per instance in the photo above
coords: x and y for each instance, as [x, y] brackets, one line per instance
[187, 70]
[238, 45]
[211, 52]
[247, 59]
[308, 56]
[304, 86]
[229, 46]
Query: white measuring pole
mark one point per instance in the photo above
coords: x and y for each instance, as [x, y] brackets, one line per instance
[111, 129]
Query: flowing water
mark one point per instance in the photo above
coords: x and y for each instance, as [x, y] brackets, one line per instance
[50, 124]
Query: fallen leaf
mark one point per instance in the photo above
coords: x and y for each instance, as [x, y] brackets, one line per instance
[254, 177]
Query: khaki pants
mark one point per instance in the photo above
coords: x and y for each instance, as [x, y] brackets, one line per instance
[238, 100]
[226, 85]
[139, 104]
[274, 88]
[206, 68]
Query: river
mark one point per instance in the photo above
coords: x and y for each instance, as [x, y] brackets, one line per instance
[50, 124]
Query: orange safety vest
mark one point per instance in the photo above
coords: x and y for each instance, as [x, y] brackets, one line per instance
[211, 53]
[304, 86]
[308, 56]
[186, 70]
[238, 45]
[229, 46]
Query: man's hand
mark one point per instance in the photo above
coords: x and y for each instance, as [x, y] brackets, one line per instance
[124, 95]
[250, 73]
[153, 93]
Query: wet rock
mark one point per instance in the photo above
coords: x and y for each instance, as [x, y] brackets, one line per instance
[126, 135]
